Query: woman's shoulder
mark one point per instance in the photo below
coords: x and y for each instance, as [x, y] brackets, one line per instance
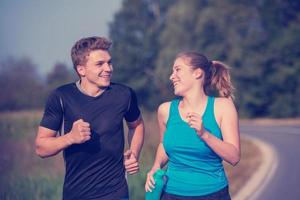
[163, 111]
[164, 107]
[223, 100]
[224, 104]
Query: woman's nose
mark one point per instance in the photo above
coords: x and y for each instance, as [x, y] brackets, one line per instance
[171, 76]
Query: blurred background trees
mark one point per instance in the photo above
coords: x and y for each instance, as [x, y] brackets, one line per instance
[21, 85]
[258, 39]
[135, 33]
[23, 88]
[60, 75]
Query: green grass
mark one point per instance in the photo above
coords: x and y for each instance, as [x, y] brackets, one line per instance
[28, 187]
[18, 125]
[23, 175]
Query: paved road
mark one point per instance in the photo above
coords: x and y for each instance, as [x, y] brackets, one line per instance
[285, 184]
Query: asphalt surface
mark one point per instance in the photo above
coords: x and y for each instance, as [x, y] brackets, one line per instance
[284, 182]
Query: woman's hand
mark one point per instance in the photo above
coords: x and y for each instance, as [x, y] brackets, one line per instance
[195, 121]
[150, 183]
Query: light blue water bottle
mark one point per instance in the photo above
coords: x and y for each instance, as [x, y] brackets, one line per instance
[159, 184]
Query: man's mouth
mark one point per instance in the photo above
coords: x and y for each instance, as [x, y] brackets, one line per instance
[108, 76]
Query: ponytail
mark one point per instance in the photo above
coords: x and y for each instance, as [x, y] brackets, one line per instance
[219, 80]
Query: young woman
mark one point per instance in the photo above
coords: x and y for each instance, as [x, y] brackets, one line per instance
[197, 131]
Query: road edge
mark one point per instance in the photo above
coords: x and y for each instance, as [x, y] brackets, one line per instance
[260, 178]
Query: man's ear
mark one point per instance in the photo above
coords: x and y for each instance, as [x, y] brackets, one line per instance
[198, 73]
[80, 70]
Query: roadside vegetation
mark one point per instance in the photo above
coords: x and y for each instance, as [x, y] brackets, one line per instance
[26, 176]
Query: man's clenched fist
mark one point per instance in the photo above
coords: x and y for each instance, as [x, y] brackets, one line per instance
[79, 133]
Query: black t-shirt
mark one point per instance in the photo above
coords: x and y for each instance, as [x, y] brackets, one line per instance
[94, 169]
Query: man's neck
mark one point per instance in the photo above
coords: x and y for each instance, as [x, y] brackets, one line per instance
[88, 89]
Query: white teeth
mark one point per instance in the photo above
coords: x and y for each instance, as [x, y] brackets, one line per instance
[105, 76]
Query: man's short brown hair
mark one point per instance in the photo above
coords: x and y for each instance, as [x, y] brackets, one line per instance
[84, 46]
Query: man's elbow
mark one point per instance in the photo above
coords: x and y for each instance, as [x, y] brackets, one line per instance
[40, 151]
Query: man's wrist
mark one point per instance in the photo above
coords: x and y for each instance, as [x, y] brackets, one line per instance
[69, 139]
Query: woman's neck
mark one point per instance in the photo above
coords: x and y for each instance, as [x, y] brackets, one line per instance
[194, 101]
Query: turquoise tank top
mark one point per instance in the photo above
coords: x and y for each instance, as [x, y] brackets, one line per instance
[194, 169]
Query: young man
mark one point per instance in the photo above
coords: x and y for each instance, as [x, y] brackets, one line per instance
[92, 112]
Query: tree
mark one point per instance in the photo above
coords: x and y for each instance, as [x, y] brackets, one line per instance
[276, 58]
[259, 39]
[134, 32]
[246, 40]
[210, 28]
[21, 85]
[60, 75]
[283, 72]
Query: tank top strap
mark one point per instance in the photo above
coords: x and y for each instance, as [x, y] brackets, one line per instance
[209, 120]
[209, 110]
[174, 106]
[174, 112]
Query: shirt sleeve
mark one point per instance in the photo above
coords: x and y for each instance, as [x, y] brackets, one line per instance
[53, 113]
[133, 111]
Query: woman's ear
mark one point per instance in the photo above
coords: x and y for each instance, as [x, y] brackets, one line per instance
[198, 73]
[80, 70]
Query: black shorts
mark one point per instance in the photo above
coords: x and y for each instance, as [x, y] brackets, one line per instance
[222, 194]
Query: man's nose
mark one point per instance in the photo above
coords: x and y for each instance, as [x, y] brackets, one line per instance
[108, 67]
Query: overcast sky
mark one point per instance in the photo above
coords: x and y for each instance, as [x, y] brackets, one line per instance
[45, 30]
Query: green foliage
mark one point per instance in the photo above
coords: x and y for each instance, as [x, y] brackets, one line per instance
[134, 32]
[15, 127]
[258, 39]
[26, 176]
[282, 76]
[34, 188]
[60, 75]
[23, 88]
[23, 175]
[21, 85]
[210, 28]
